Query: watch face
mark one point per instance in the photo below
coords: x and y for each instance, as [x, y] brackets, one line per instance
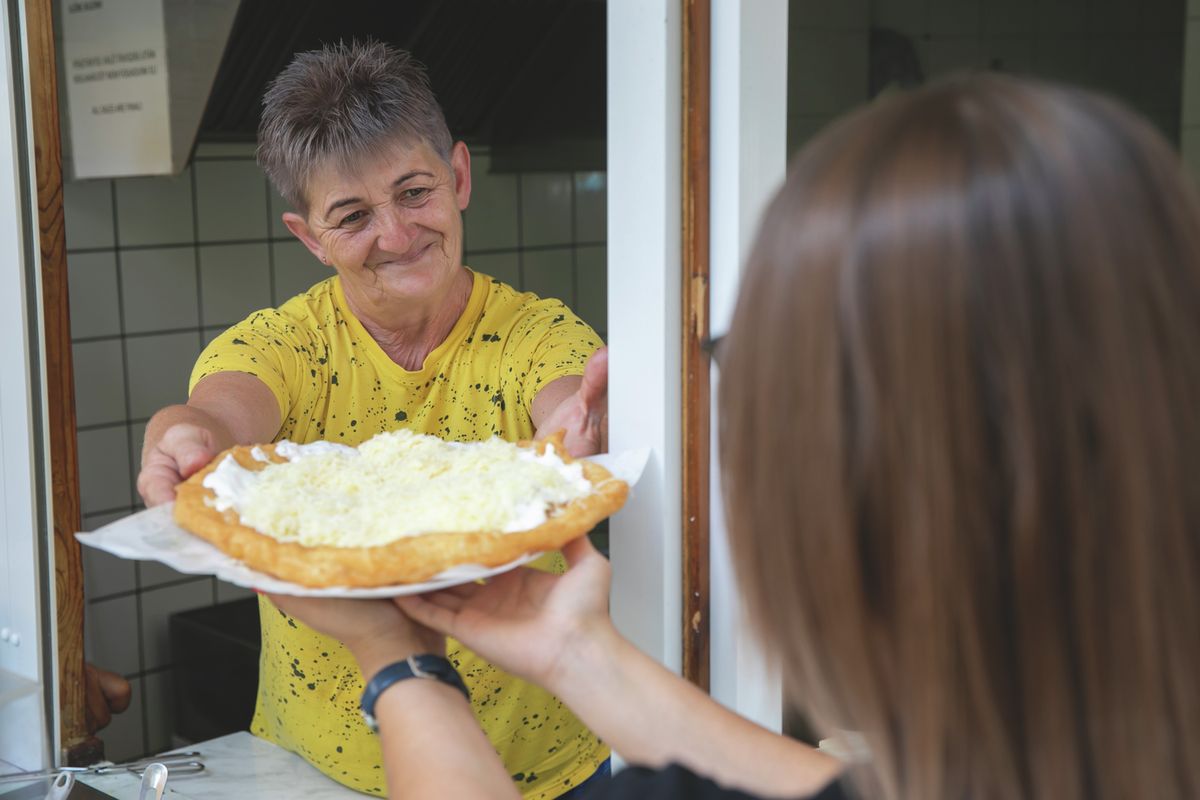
[371, 723]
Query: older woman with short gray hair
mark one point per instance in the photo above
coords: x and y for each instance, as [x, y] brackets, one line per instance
[403, 335]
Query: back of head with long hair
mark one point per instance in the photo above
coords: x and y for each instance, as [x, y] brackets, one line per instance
[960, 419]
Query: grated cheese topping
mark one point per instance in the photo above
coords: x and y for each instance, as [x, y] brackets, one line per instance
[395, 485]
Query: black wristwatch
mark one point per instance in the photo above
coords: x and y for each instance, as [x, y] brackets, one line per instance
[423, 666]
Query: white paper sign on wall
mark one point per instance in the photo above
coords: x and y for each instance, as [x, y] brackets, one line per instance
[115, 73]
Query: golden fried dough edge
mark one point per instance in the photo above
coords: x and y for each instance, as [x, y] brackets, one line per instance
[409, 560]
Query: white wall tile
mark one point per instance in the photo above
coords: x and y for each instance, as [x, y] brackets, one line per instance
[137, 436]
[158, 288]
[903, 16]
[157, 607]
[104, 574]
[160, 710]
[152, 574]
[276, 206]
[826, 15]
[491, 216]
[1112, 67]
[803, 127]
[827, 72]
[1009, 17]
[104, 469]
[1193, 8]
[92, 279]
[546, 208]
[88, 213]
[591, 289]
[1061, 59]
[231, 201]
[1190, 145]
[159, 367]
[235, 279]
[124, 739]
[296, 270]
[1011, 54]
[1191, 74]
[243, 150]
[1162, 16]
[155, 210]
[505, 267]
[1158, 66]
[591, 207]
[946, 54]
[548, 273]
[953, 17]
[1114, 16]
[99, 382]
[110, 634]
[1062, 16]
[212, 333]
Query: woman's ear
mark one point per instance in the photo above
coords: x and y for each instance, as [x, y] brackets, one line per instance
[299, 228]
[460, 163]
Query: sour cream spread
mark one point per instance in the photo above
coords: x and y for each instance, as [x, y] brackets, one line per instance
[395, 485]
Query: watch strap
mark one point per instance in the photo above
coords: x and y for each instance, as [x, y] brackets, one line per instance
[426, 666]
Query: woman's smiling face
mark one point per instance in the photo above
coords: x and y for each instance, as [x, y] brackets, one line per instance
[392, 227]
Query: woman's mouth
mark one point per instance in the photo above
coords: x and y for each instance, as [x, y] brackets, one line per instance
[411, 257]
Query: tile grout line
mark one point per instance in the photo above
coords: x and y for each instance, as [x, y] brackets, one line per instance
[196, 255]
[520, 233]
[574, 248]
[272, 281]
[271, 240]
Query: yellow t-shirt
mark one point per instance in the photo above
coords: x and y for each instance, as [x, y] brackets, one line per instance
[334, 382]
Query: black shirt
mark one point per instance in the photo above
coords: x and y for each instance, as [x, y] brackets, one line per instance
[678, 783]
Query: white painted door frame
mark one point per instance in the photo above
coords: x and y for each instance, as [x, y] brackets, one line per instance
[749, 160]
[644, 174]
[748, 153]
[25, 732]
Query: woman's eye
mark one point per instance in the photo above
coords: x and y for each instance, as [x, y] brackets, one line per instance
[415, 194]
[353, 217]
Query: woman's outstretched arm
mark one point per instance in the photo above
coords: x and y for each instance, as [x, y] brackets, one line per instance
[556, 631]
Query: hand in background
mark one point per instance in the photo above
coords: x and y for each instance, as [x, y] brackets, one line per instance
[583, 416]
[525, 620]
[181, 451]
[374, 631]
[106, 693]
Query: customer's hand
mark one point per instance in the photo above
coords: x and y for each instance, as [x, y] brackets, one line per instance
[374, 631]
[526, 620]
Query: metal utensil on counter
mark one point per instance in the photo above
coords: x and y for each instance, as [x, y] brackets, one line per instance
[61, 787]
[179, 764]
[154, 781]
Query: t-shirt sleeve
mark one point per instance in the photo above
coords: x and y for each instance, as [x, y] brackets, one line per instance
[679, 783]
[554, 342]
[266, 345]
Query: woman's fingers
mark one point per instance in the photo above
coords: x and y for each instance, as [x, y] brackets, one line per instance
[429, 613]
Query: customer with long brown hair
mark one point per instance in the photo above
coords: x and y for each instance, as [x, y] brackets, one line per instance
[960, 426]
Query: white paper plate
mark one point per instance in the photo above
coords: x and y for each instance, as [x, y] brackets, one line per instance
[152, 535]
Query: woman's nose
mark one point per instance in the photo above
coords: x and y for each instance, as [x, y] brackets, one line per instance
[396, 232]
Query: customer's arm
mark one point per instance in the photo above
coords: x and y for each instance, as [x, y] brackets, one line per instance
[432, 744]
[555, 631]
[224, 409]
